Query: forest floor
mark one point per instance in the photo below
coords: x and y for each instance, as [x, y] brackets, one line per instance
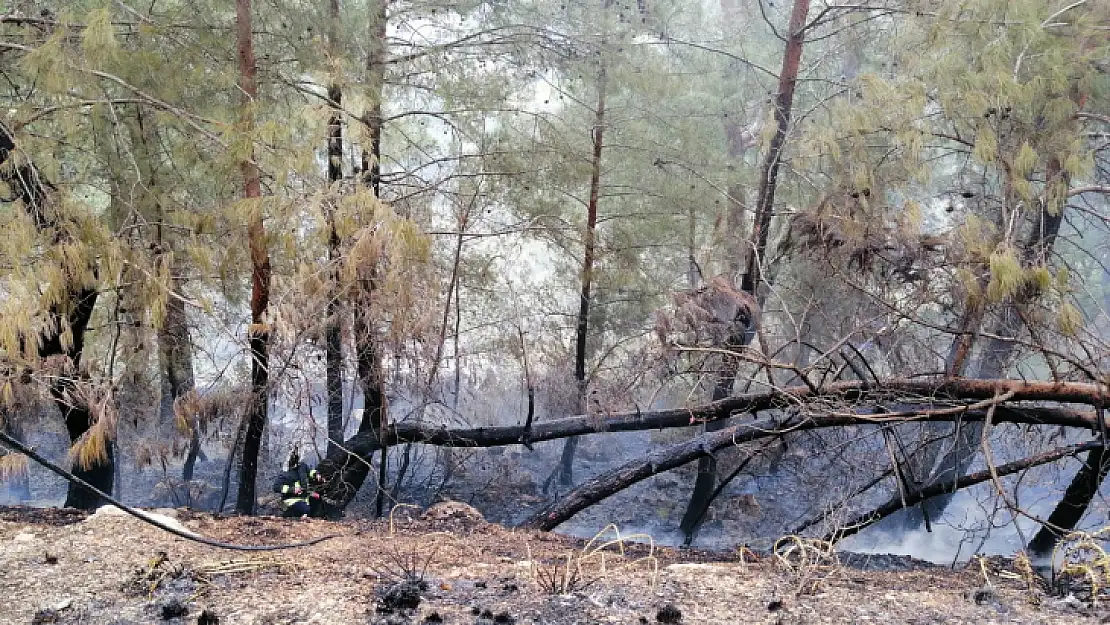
[63, 566]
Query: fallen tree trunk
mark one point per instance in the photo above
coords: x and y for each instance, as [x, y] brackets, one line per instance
[605, 485]
[357, 451]
[914, 497]
[906, 391]
[596, 489]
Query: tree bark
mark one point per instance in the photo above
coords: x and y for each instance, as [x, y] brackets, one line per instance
[333, 338]
[71, 312]
[258, 332]
[605, 485]
[566, 474]
[175, 349]
[768, 177]
[853, 393]
[913, 497]
[359, 449]
[368, 358]
[19, 486]
[1066, 515]
[706, 480]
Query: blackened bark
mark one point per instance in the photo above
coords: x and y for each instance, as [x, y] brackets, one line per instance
[19, 486]
[75, 411]
[996, 356]
[258, 332]
[347, 472]
[854, 393]
[913, 497]
[175, 349]
[706, 480]
[566, 474]
[333, 340]
[177, 353]
[72, 312]
[359, 450]
[1077, 498]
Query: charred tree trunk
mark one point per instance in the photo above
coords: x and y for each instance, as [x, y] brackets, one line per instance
[346, 469]
[71, 313]
[175, 344]
[373, 384]
[1077, 498]
[333, 338]
[258, 332]
[175, 349]
[913, 497]
[996, 355]
[566, 473]
[706, 480]
[361, 448]
[19, 486]
[768, 177]
[784, 103]
[605, 485]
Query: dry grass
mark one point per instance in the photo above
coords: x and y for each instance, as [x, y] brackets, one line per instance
[408, 565]
[578, 570]
[808, 561]
[1083, 560]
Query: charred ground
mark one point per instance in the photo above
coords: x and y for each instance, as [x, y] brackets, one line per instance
[449, 566]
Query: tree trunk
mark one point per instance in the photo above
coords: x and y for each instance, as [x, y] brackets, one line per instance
[706, 480]
[333, 339]
[1066, 515]
[175, 349]
[260, 272]
[605, 485]
[898, 502]
[994, 361]
[360, 448]
[72, 312]
[768, 177]
[849, 393]
[566, 474]
[19, 486]
[346, 469]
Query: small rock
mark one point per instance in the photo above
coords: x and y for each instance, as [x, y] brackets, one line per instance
[404, 595]
[172, 608]
[453, 511]
[669, 614]
[63, 604]
[208, 617]
[982, 595]
[24, 537]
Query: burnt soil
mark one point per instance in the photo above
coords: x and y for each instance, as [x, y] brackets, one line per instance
[447, 566]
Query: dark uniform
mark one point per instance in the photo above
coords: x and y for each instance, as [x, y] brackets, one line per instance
[298, 489]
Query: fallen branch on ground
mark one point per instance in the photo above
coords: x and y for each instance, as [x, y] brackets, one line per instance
[971, 479]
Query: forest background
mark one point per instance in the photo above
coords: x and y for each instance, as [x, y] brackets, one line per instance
[866, 238]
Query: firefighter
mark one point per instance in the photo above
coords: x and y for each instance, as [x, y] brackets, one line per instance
[299, 488]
